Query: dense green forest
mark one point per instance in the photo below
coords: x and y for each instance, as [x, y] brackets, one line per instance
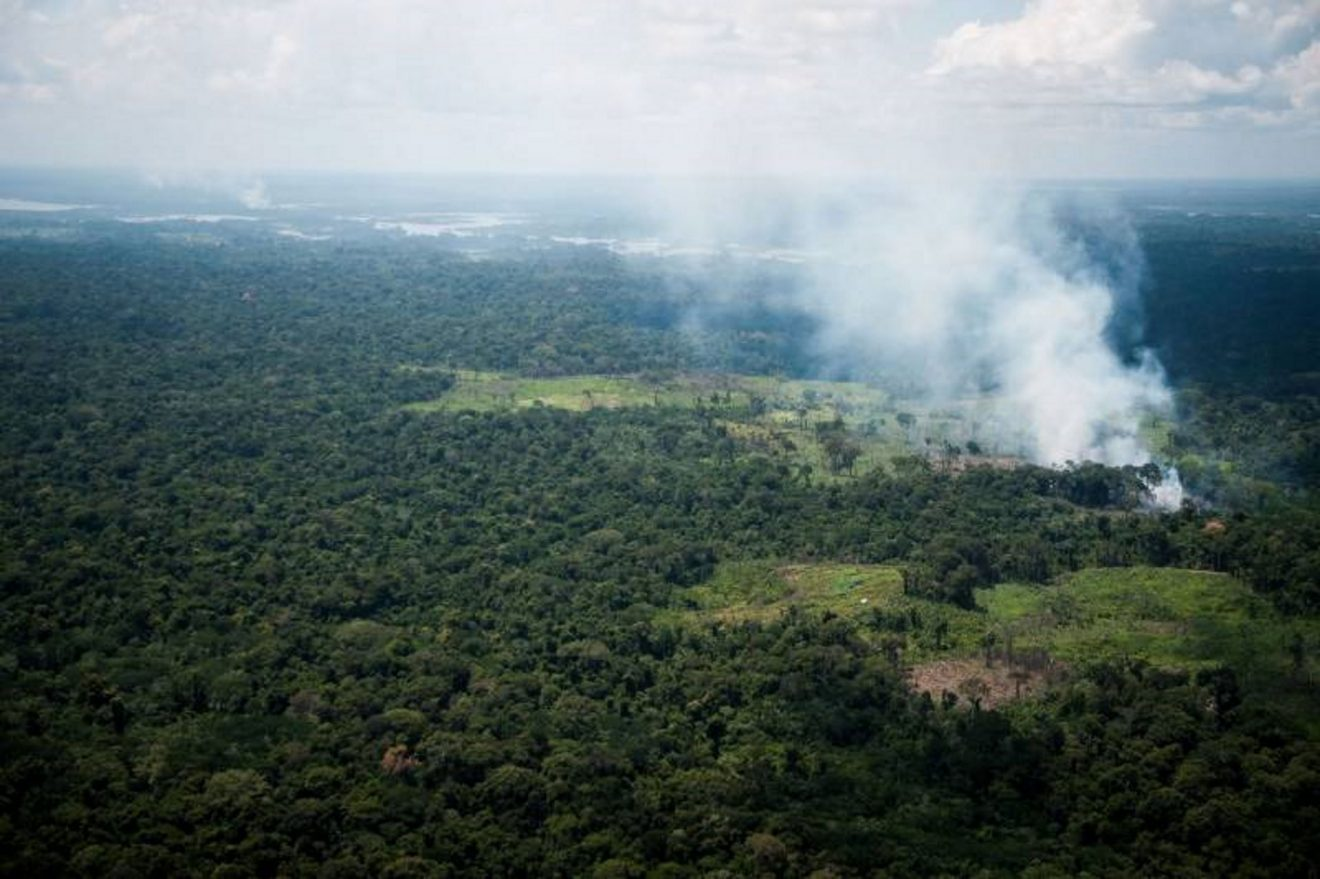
[265, 615]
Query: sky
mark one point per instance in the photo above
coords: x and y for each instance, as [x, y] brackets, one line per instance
[896, 88]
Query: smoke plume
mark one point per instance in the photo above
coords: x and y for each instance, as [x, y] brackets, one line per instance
[981, 291]
[1015, 307]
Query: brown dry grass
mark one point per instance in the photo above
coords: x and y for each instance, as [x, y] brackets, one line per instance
[970, 678]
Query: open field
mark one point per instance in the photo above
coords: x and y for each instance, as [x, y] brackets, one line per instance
[987, 685]
[491, 392]
[820, 400]
[751, 591]
[1167, 617]
[775, 415]
[871, 595]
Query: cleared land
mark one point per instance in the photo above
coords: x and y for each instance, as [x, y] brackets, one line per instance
[755, 592]
[776, 415]
[1020, 635]
[986, 685]
[485, 391]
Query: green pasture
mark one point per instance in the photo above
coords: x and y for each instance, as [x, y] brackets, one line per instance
[775, 415]
[870, 595]
[489, 391]
[1164, 616]
[755, 591]
[821, 400]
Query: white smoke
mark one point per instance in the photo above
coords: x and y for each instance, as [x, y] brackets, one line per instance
[254, 196]
[976, 289]
[1169, 494]
[960, 287]
[248, 190]
[966, 295]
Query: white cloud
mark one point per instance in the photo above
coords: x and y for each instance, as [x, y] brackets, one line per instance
[1301, 75]
[507, 55]
[746, 85]
[1059, 34]
[1203, 60]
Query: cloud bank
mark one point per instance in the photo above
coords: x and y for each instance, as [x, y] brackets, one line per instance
[1181, 62]
[1047, 88]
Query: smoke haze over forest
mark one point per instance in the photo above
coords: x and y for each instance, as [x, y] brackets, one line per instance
[659, 439]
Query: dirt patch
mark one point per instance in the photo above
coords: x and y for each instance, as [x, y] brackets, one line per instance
[963, 463]
[971, 681]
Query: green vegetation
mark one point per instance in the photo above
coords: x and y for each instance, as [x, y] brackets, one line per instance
[1163, 616]
[826, 428]
[276, 606]
[489, 391]
[747, 591]
[1166, 617]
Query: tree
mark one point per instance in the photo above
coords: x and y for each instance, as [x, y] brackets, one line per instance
[840, 451]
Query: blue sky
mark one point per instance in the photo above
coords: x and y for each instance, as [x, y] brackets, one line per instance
[902, 88]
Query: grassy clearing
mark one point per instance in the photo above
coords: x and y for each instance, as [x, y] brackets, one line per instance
[820, 400]
[755, 591]
[804, 447]
[488, 391]
[871, 595]
[1166, 617]
[778, 416]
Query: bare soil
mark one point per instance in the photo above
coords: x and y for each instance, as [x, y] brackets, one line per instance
[970, 679]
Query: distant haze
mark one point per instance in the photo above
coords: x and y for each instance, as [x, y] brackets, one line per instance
[951, 281]
[896, 88]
